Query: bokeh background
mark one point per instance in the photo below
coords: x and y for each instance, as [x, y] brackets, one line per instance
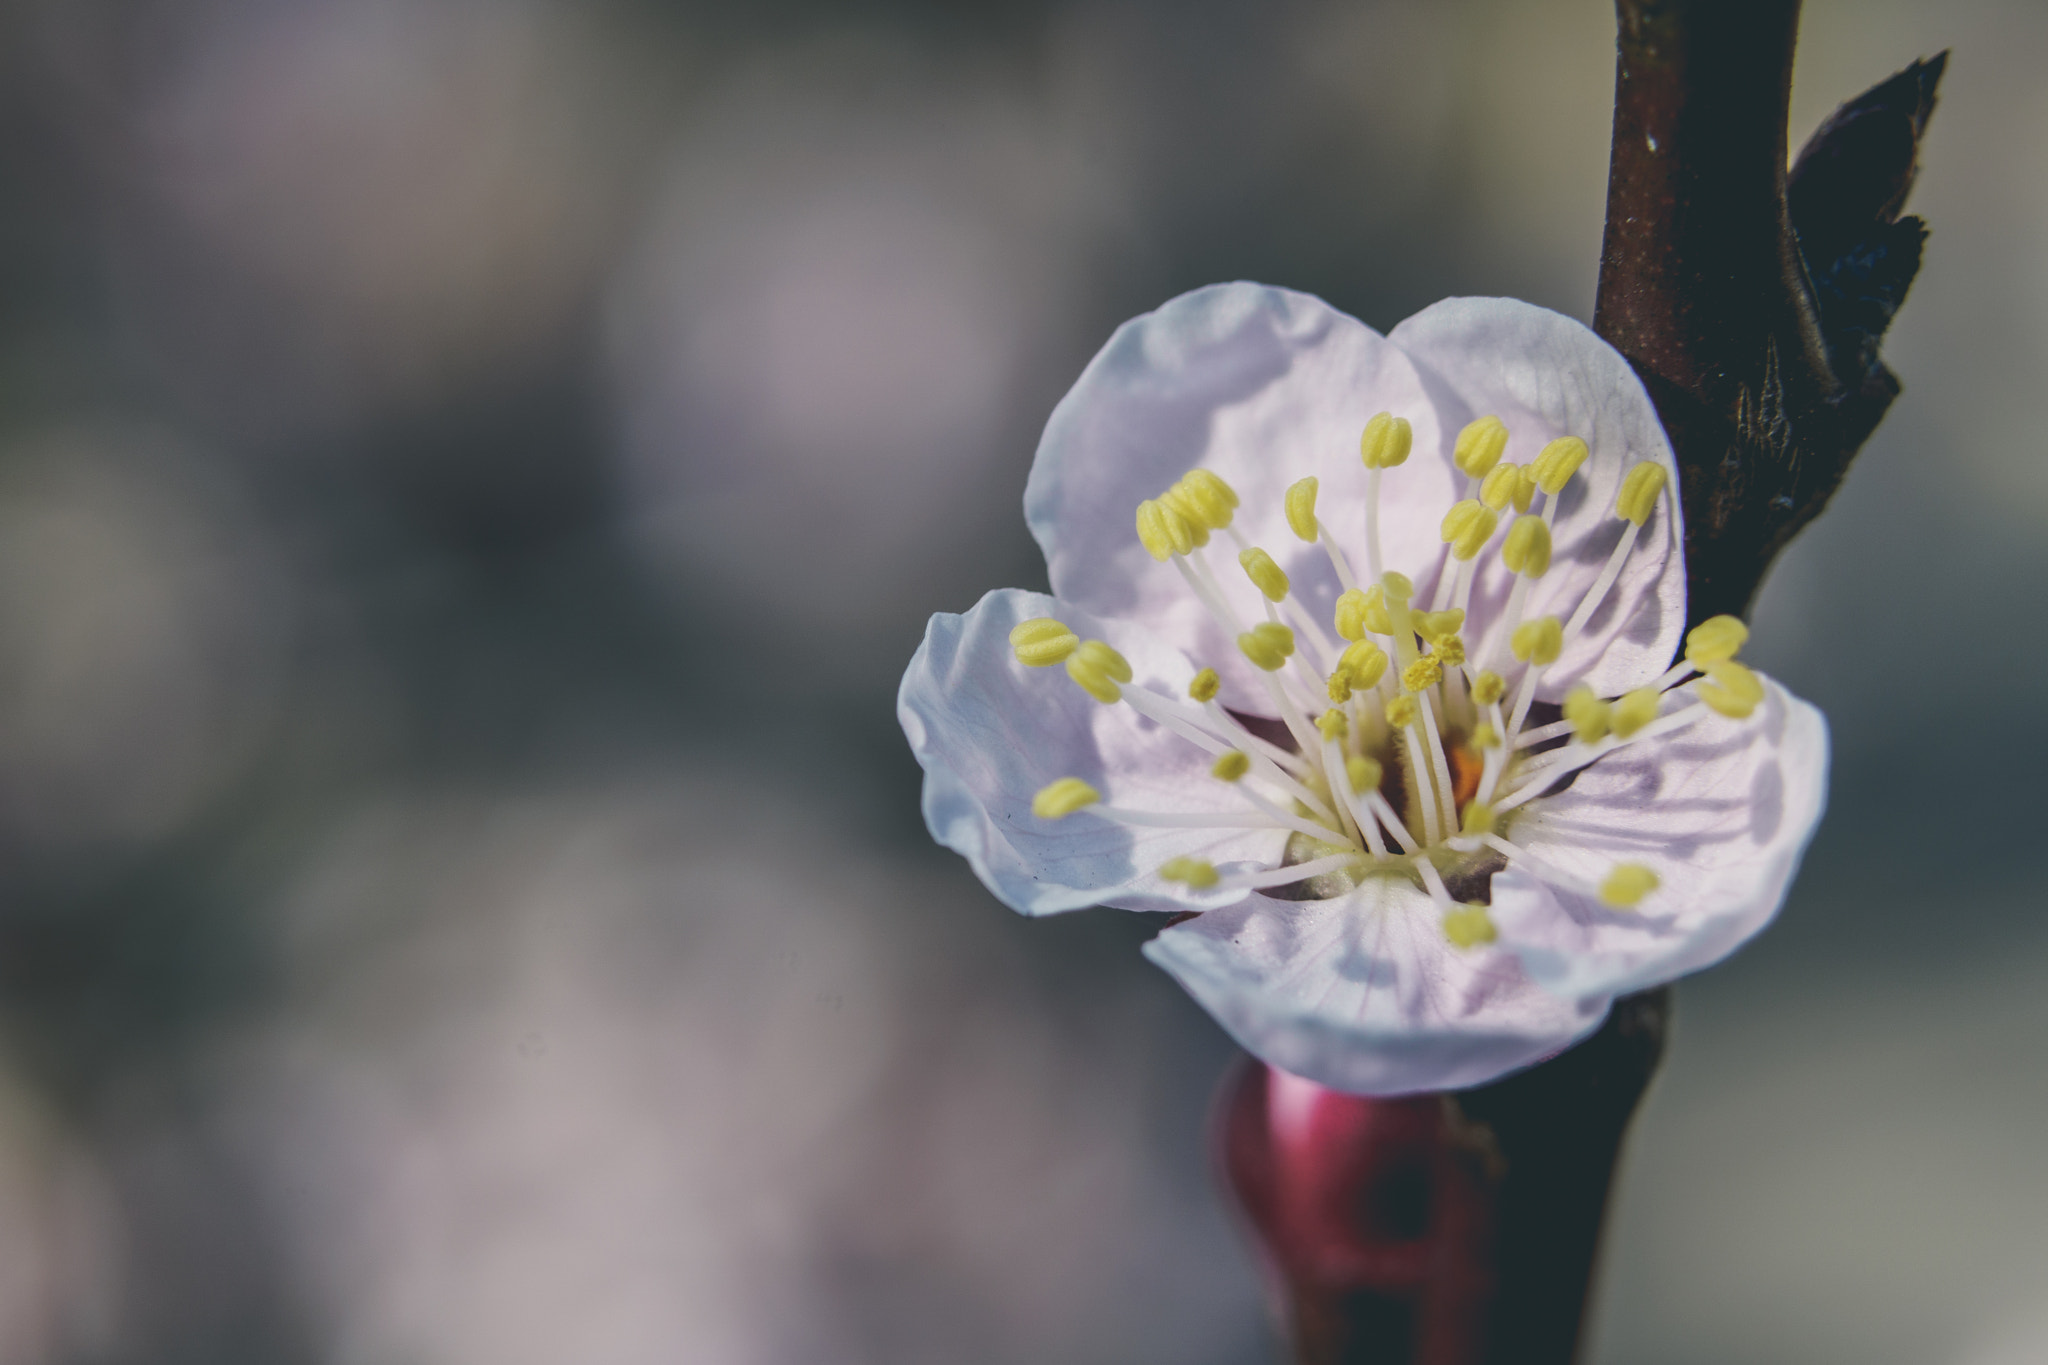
[470, 474]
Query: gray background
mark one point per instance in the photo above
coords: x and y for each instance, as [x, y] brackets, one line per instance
[470, 474]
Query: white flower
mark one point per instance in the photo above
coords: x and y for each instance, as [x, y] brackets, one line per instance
[1392, 712]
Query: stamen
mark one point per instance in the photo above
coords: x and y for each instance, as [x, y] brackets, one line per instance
[1545, 771]
[1730, 689]
[1383, 445]
[1609, 571]
[1526, 551]
[1555, 464]
[1479, 446]
[1639, 491]
[1333, 764]
[1301, 508]
[1057, 800]
[1042, 642]
[1269, 578]
[1360, 611]
[1163, 531]
[1098, 669]
[1713, 640]
[1166, 819]
[1634, 710]
[1200, 730]
[1198, 873]
[1537, 734]
[1205, 685]
[1499, 486]
[1386, 441]
[1626, 886]
[1469, 926]
[1295, 872]
[1467, 527]
[1361, 782]
[1231, 765]
[1268, 645]
[1590, 716]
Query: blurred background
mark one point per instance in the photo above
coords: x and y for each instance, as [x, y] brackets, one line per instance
[471, 472]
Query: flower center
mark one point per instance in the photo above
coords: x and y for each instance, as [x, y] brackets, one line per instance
[1409, 751]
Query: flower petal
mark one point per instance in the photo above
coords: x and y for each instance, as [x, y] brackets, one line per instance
[991, 732]
[1721, 811]
[1260, 385]
[1546, 375]
[1364, 993]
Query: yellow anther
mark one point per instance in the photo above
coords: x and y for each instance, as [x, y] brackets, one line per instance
[1386, 441]
[1468, 526]
[1364, 663]
[1100, 655]
[1176, 499]
[1634, 710]
[1525, 489]
[1526, 551]
[1588, 714]
[1732, 689]
[1401, 712]
[1301, 507]
[1480, 446]
[1539, 641]
[1232, 765]
[1497, 489]
[1488, 688]
[1057, 800]
[1267, 644]
[1333, 724]
[1397, 587]
[1199, 874]
[1267, 576]
[1363, 609]
[1098, 669]
[1715, 639]
[1205, 685]
[1431, 625]
[1042, 642]
[1555, 464]
[1214, 492]
[1212, 498]
[1626, 886]
[1469, 926]
[1162, 531]
[1094, 681]
[1338, 687]
[1477, 819]
[1426, 672]
[1639, 492]
[1363, 774]
[1449, 649]
[1484, 736]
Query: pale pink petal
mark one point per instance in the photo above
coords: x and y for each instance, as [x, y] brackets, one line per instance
[991, 732]
[1262, 386]
[1547, 376]
[1721, 811]
[1364, 994]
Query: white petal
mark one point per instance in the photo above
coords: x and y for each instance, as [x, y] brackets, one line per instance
[1364, 994]
[1261, 385]
[991, 732]
[1721, 811]
[1546, 376]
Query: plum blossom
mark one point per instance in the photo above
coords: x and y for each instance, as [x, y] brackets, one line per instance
[1367, 644]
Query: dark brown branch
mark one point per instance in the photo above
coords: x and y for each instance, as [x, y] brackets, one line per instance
[1751, 301]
